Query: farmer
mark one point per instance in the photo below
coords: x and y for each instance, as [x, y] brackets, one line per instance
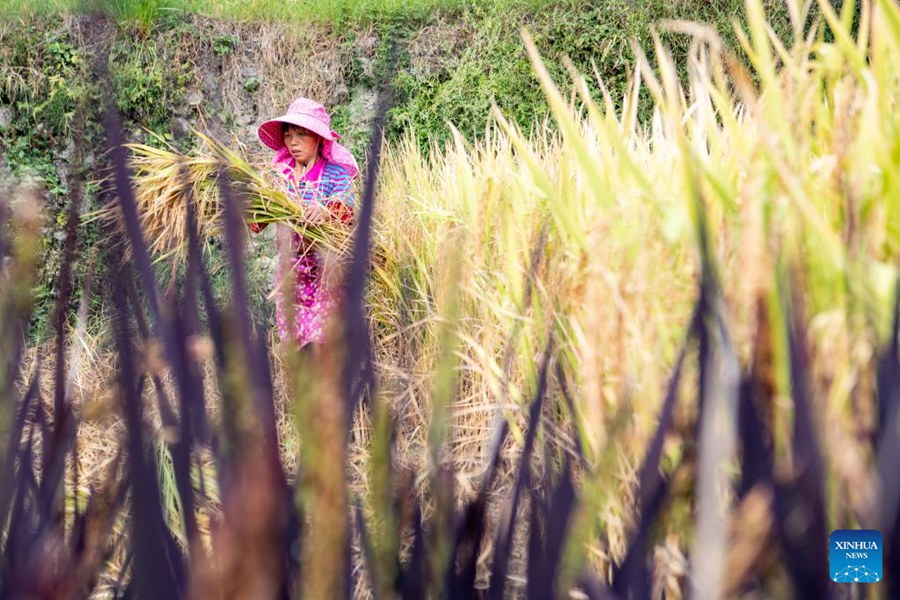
[318, 172]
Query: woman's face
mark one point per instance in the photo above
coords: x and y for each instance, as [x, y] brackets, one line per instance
[301, 142]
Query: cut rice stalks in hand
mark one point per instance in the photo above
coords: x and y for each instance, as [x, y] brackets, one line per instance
[164, 178]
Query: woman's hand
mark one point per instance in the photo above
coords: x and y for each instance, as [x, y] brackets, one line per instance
[315, 213]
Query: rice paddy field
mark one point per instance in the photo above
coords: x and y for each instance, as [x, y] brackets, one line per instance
[618, 353]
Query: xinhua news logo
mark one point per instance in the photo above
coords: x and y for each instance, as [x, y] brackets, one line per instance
[855, 556]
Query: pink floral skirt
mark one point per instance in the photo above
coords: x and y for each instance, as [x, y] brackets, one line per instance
[313, 303]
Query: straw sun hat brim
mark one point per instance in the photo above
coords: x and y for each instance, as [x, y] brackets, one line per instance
[272, 135]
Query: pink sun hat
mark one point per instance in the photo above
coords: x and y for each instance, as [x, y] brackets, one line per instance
[310, 115]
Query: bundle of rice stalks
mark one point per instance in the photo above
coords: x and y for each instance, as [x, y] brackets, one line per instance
[165, 179]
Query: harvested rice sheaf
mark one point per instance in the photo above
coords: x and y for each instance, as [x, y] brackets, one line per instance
[165, 179]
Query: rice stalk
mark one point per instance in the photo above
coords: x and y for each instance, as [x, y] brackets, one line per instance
[163, 176]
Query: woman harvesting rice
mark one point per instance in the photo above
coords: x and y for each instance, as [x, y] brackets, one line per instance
[318, 172]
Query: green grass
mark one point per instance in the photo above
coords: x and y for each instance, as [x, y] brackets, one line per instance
[491, 66]
[149, 12]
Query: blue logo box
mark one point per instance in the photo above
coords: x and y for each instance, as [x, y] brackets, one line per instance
[854, 556]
